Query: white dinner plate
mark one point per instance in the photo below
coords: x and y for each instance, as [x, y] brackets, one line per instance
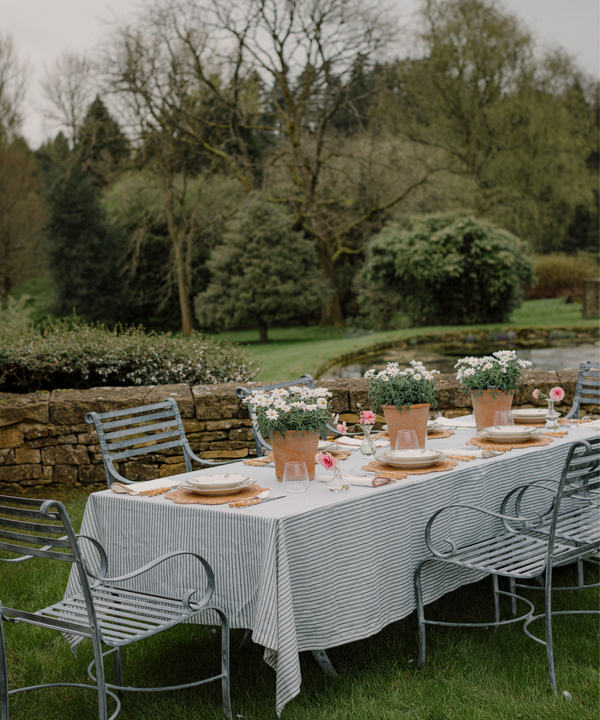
[529, 415]
[411, 458]
[217, 484]
[510, 434]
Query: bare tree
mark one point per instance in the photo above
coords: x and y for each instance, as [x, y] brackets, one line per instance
[68, 89]
[13, 84]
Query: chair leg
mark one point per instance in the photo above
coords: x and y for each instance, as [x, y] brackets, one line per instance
[100, 680]
[118, 662]
[580, 578]
[225, 683]
[548, 621]
[324, 663]
[513, 601]
[3, 674]
[420, 612]
[496, 603]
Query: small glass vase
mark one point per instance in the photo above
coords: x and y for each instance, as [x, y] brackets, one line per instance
[337, 482]
[552, 417]
[367, 448]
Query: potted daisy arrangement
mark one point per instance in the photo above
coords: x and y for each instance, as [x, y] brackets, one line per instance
[404, 396]
[292, 419]
[491, 382]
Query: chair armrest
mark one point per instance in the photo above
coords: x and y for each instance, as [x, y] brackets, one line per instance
[200, 460]
[525, 522]
[103, 559]
[154, 563]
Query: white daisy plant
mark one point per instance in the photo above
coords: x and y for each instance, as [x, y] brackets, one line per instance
[500, 372]
[402, 388]
[297, 408]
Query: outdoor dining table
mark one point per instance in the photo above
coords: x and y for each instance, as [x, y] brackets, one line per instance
[315, 570]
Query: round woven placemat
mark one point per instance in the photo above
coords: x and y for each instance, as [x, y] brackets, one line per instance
[538, 441]
[439, 434]
[187, 497]
[381, 468]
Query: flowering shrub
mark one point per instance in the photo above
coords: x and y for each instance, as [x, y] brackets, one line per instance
[71, 354]
[296, 408]
[500, 371]
[402, 388]
[556, 394]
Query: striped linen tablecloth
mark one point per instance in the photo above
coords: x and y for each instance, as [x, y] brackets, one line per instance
[318, 569]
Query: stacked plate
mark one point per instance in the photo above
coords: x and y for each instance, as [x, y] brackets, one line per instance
[530, 415]
[411, 459]
[510, 433]
[433, 425]
[221, 484]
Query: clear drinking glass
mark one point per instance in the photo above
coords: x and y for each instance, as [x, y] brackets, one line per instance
[503, 418]
[295, 477]
[406, 440]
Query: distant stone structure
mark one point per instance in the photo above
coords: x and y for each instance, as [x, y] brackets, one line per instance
[45, 440]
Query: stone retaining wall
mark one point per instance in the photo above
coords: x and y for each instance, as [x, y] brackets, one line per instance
[44, 438]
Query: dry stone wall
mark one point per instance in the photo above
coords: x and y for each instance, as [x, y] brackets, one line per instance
[44, 438]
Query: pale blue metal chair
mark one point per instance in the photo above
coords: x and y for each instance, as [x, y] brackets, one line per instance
[103, 611]
[587, 389]
[144, 430]
[530, 545]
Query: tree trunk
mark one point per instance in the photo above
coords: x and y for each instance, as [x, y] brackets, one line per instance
[262, 329]
[181, 269]
[331, 314]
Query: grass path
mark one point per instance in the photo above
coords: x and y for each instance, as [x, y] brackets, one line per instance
[293, 351]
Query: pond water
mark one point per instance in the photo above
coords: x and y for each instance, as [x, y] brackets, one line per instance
[438, 357]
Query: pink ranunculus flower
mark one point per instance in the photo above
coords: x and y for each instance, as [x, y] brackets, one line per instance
[556, 394]
[367, 417]
[326, 460]
[342, 428]
[536, 394]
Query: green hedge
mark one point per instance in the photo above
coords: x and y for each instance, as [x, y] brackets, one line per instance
[71, 354]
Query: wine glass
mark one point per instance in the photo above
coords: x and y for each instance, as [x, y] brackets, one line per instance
[295, 477]
[406, 440]
[503, 418]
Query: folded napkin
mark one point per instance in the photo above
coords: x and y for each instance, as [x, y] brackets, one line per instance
[593, 425]
[139, 487]
[359, 480]
[458, 422]
[358, 441]
[458, 453]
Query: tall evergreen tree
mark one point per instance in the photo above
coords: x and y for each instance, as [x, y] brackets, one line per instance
[103, 147]
[84, 250]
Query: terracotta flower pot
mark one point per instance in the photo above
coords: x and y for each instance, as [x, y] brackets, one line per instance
[291, 446]
[413, 418]
[484, 406]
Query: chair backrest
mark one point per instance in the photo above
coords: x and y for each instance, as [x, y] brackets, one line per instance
[587, 390]
[42, 528]
[128, 433]
[245, 393]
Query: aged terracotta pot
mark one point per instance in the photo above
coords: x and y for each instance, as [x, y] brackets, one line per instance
[290, 446]
[413, 418]
[484, 406]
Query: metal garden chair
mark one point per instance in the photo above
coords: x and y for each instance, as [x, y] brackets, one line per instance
[529, 544]
[245, 393]
[143, 430]
[587, 389]
[103, 611]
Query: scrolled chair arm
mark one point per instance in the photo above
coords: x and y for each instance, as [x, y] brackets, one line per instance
[210, 577]
[525, 522]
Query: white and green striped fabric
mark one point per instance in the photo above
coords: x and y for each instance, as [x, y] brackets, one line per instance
[318, 569]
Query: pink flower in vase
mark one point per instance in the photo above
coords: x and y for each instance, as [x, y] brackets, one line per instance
[326, 460]
[536, 394]
[556, 394]
[367, 417]
[341, 428]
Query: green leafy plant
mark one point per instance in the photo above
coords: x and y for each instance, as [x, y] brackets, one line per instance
[71, 354]
[402, 388]
[296, 408]
[500, 372]
[562, 275]
[447, 270]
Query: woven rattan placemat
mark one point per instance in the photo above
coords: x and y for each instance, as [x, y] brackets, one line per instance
[538, 441]
[439, 434]
[389, 471]
[187, 497]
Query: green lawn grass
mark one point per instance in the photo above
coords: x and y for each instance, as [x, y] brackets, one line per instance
[292, 351]
[469, 674]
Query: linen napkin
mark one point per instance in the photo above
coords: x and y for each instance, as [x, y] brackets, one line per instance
[146, 485]
[457, 453]
[357, 442]
[458, 422]
[593, 425]
[359, 480]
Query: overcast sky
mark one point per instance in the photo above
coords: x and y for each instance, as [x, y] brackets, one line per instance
[43, 29]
